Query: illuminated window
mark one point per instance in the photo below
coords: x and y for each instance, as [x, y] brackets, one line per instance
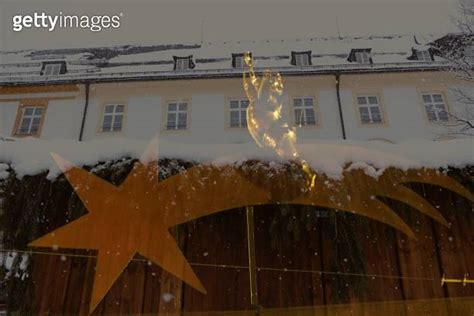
[31, 118]
[369, 109]
[304, 111]
[112, 120]
[177, 117]
[435, 107]
[238, 113]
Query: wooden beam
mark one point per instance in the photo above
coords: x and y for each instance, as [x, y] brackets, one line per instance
[252, 256]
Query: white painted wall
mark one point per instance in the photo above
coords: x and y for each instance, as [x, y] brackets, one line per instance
[8, 112]
[62, 119]
[329, 126]
[403, 111]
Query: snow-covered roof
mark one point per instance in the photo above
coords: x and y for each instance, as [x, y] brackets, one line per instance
[214, 58]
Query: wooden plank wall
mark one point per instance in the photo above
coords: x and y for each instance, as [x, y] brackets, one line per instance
[412, 269]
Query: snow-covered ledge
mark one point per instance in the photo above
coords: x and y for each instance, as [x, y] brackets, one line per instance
[32, 156]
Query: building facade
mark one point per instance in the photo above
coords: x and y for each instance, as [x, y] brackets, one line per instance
[377, 88]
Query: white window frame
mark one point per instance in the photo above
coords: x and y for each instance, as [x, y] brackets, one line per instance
[371, 112]
[363, 57]
[301, 59]
[241, 109]
[239, 62]
[182, 64]
[423, 55]
[32, 129]
[436, 112]
[177, 111]
[118, 111]
[303, 107]
[52, 69]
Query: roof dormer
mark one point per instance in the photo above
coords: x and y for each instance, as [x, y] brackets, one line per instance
[183, 63]
[301, 59]
[238, 60]
[360, 55]
[425, 55]
[53, 68]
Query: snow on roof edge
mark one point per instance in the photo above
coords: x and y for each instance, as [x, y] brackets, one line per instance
[32, 156]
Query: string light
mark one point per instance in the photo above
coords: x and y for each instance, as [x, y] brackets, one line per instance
[230, 266]
[264, 119]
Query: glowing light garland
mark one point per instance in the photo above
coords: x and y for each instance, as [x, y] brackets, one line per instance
[264, 119]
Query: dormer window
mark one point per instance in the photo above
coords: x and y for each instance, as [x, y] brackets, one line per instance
[423, 55]
[360, 55]
[238, 60]
[301, 59]
[183, 63]
[53, 68]
[363, 57]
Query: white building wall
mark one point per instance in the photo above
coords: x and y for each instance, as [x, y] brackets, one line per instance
[329, 125]
[401, 111]
[62, 117]
[404, 116]
[143, 120]
[404, 113]
[8, 111]
[91, 123]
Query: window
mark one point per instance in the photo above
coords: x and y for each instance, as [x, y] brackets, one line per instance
[435, 107]
[304, 111]
[112, 120]
[423, 55]
[238, 113]
[362, 57]
[177, 117]
[369, 109]
[52, 69]
[301, 59]
[31, 118]
[183, 63]
[239, 61]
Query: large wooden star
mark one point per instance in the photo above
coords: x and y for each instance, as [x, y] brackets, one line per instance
[136, 216]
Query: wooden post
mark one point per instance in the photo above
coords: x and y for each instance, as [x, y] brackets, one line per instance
[251, 256]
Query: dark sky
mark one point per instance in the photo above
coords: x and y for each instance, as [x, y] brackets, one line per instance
[146, 22]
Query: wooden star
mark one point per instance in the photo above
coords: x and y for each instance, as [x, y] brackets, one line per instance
[136, 216]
